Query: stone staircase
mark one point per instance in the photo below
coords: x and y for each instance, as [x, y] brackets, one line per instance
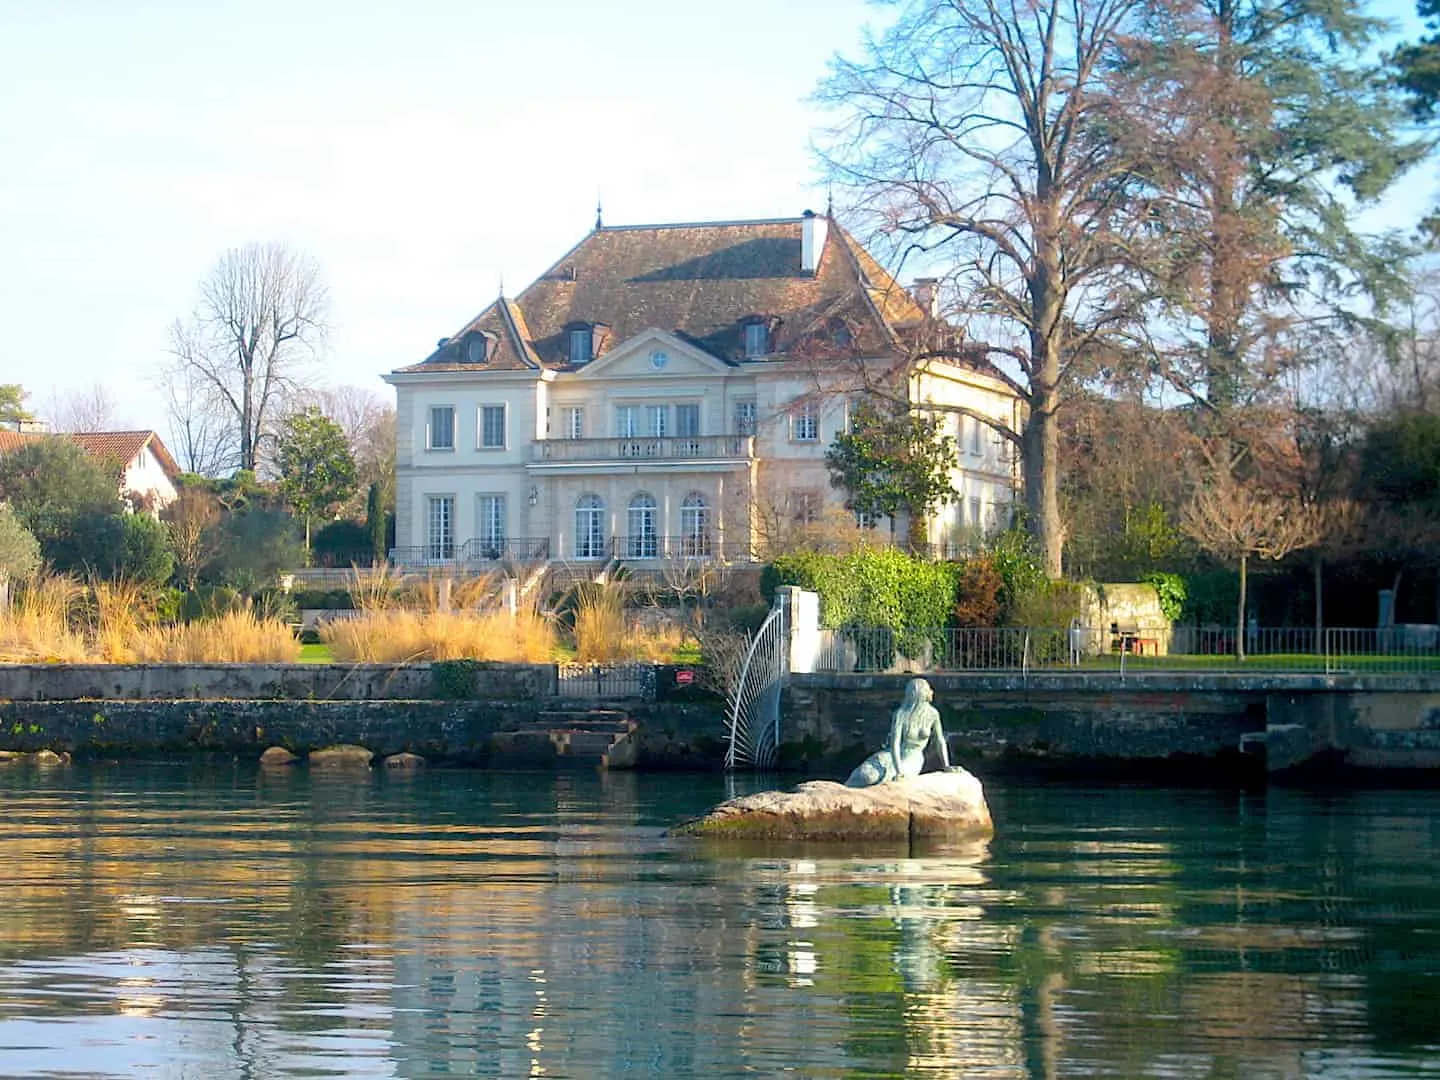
[595, 738]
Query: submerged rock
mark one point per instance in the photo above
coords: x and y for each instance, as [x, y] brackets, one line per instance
[938, 805]
[404, 760]
[341, 757]
[50, 757]
[277, 755]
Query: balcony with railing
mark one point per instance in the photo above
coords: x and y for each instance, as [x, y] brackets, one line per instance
[677, 448]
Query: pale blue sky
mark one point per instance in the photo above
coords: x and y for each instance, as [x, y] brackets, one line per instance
[418, 149]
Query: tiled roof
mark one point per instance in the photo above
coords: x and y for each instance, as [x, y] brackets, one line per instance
[121, 446]
[697, 281]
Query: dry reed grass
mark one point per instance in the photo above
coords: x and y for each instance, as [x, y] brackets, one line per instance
[123, 612]
[604, 632]
[55, 619]
[376, 589]
[236, 637]
[40, 625]
[599, 628]
[402, 636]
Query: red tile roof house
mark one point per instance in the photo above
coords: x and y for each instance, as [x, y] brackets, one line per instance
[646, 395]
[148, 472]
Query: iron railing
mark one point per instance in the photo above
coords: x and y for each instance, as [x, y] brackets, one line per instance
[473, 551]
[1338, 650]
[688, 546]
[605, 682]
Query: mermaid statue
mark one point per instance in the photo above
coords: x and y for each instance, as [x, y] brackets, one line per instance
[916, 723]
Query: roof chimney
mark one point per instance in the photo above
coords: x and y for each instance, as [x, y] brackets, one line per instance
[812, 240]
[927, 296]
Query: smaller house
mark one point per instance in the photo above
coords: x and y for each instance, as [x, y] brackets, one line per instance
[148, 472]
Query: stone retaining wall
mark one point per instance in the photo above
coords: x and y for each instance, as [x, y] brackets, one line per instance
[1087, 721]
[306, 682]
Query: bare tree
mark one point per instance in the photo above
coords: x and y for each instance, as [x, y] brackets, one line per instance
[90, 409]
[975, 136]
[260, 321]
[192, 521]
[1236, 520]
[200, 434]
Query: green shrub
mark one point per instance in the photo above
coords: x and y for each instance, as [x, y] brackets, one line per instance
[1050, 607]
[329, 599]
[209, 601]
[1013, 553]
[868, 588]
[1211, 597]
[1171, 590]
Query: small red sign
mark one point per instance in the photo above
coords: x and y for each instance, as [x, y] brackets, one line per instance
[684, 678]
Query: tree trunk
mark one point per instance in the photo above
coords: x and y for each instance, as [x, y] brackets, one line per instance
[1319, 567]
[1240, 612]
[1041, 438]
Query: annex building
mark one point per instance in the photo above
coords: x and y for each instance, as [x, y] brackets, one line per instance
[669, 391]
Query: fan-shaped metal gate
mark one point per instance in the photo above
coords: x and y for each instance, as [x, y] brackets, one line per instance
[755, 698]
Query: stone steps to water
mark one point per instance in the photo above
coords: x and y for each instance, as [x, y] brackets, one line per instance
[578, 736]
[599, 721]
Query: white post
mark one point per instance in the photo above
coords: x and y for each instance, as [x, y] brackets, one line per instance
[802, 626]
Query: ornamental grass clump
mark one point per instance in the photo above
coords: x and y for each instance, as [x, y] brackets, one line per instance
[41, 625]
[605, 633]
[601, 635]
[400, 636]
[235, 637]
[123, 613]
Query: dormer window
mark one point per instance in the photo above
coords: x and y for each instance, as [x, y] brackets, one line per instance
[581, 341]
[477, 349]
[757, 336]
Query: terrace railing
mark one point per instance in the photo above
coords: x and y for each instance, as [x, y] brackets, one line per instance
[690, 546]
[1339, 650]
[473, 552]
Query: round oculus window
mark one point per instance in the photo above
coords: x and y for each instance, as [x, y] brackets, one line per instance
[659, 358]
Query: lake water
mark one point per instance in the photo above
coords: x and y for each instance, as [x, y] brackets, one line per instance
[181, 921]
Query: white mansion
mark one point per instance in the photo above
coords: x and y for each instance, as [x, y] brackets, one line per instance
[669, 391]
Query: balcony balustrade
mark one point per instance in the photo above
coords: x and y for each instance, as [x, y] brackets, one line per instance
[647, 448]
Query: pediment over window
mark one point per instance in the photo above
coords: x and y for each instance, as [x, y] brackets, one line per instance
[655, 353]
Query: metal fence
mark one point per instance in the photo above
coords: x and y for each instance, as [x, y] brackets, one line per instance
[1398, 650]
[606, 682]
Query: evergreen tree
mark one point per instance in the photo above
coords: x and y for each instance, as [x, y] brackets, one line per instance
[892, 460]
[317, 471]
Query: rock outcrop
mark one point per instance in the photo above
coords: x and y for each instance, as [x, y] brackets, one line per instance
[340, 757]
[933, 806]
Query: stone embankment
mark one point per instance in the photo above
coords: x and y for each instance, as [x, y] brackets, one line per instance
[1148, 726]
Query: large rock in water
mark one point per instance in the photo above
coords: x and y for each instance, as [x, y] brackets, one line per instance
[933, 806]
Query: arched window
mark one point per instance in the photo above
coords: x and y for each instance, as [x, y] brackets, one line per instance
[695, 526]
[590, 527]
[643, 543]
